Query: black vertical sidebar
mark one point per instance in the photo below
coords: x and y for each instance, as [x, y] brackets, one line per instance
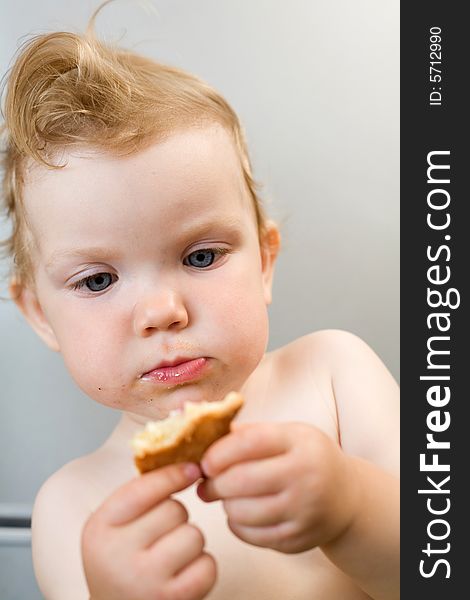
[435, 231]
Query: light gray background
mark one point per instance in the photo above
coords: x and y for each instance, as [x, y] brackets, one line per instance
[316, 85]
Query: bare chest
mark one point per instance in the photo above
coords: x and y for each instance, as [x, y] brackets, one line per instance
[253, 573]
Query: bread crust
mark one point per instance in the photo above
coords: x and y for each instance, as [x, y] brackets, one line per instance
[197, 433]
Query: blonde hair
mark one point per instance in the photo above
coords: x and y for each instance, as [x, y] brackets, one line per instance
[67, 89]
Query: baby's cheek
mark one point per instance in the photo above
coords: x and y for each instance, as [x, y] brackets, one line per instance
[245, 326]
[93, 365]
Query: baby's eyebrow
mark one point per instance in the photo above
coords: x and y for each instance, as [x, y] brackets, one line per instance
[225, 224]
[95, 252]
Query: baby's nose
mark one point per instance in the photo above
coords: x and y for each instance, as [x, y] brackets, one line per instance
[162, 311]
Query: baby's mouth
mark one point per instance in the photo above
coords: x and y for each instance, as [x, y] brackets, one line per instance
[180, 371]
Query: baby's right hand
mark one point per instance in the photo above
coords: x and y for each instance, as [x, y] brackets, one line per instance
[138, 544]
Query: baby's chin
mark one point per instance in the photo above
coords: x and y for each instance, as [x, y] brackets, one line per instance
[158, 404]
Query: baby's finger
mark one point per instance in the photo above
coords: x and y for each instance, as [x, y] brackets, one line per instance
[196, 580]
[158, 521]
[177, 549]
[257, 512]
[254, 478]
[246, 442]
[142, 493]
[268, 537]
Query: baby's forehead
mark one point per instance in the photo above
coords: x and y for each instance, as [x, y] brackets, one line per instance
[197, 156]
[191, 176]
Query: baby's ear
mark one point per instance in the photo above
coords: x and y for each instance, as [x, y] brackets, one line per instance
[27, 301]
[270, 246]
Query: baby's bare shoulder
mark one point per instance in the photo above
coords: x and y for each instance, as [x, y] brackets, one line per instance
[66, 484]
[314, 344]
[364, 393]
[367, 400]
[317, 341]
[59, 512]
[320, 353]
[332, 352]
[61, 508]
[302, 371]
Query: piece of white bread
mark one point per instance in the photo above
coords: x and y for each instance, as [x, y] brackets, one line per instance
[184, 436]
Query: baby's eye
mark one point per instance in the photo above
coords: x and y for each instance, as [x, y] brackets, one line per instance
[204, 257]
[95, 283]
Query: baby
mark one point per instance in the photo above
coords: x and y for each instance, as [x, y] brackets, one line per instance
[139, 243]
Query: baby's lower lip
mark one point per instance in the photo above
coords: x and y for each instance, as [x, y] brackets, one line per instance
[186, 371]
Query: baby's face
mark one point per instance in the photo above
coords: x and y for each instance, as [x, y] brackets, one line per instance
[149, 260]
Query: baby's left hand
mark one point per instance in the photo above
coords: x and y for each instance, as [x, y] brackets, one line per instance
[285, 486]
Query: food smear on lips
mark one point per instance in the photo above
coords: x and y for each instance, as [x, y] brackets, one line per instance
[184, 371]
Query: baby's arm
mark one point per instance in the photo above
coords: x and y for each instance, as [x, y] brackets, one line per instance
[368, 413]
